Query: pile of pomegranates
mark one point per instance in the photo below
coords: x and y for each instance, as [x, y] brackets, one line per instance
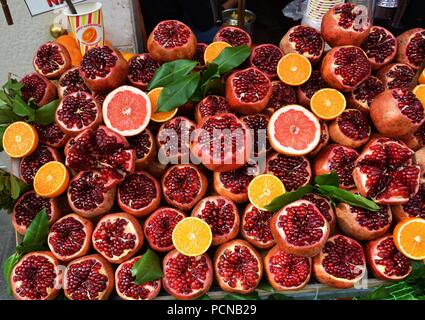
[121, 197]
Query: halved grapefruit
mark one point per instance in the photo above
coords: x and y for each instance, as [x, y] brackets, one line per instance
[293, 130]
[127, 110]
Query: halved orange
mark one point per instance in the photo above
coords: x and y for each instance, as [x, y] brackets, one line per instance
[51, 180]
[213, 50]
[263, 189]
[419, 92]
[328, 103]
[421, 79]
[20, 139]
[409, 238]
[294, 69]
[159, 116]
[192, 236]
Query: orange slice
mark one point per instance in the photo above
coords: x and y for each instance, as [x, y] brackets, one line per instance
[294, 69]
[327, 104]
[159, 116]
[51, 180]
[20, 139]
[409, 238]
[192, 236]
[263, 189]
[419, 92]
[213, 50]
[421, 79]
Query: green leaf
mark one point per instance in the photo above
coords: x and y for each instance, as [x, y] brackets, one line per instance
[281, 296]
[46, 114]
[8, 265]
[13, 86]
[249, 296]
[147, 268]
[178, 93]
[288, 197]
[265, 286]
[331, 179]
[418, 271]
[15, 187]
[2, 130]
[4, 97]
[37, 231]
[210, 72]
[22, 109]
[170, 72]
[345, 196]
[23, 249]
[7, 116]
[231, 58]
[204, 297]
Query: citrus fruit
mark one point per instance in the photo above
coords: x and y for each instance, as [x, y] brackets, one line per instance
[421, 79]
[127, 110]
[293, 130]
[419, 92]
[192, 236]
[409, 238]
[294, 69]
[263, 189]
[20, 139]
[51, 180]
[159, 116]
[213, 50]
[69, 42]
[327, 104]
[127, 55]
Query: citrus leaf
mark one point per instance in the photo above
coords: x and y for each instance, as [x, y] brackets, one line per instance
[331, 179]
[288, 197]
[265, 286]
[22, 109]
[13, 86]
[46, 114]
[281, 296]
[8, 265]
[204, 297]
[170, 72]
[231, 58]
[37, 231]
[2, 130]
[340, 195]
[147, 268]
[7, 116]
[15, 187]
[235, 296]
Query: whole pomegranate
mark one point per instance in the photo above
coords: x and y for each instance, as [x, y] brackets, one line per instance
[265, 57]
[351, 129]
[411, 47]
[71, 82]
[300, 228]
[255, 227]
[282, 95]
[396, 75]
[186, 277]
[380, 47]
[304, 40]
[361, 98]
[234, 36]
[141, 69]
[146, 149]
[397, 112]
[209, 106]
[51, 60]
[39, 88]
[415, 207]
[345, 24]
[171, 40]
[51, 135]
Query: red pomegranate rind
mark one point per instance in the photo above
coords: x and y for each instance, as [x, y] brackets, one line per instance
[36, 276]
[300, 228]
[222, 216]
[305, 91]
[362, 97]
[265, 57]
[29, 165]
[414, 208]
[386, 262]
[70, 237]
[209, 106]
[350, 129]
[294, 172]
[117, 237]
[145, 146]
[325, 207]
[126, 287]
[238, 267]
[255, 227]
[141, 69]
[158, 228]
[286, 271]
[385, 173]
[258, 124]
[199, 55]
[51, 135]
[28, 206]
[304, 40]
[51, 60]
[341, 263]
[396, 75]
[324, 138]
[186, 277]
[380, 47]
[39, 88]
[71, 82]
[233, 36]
[410, 50]
[415, 140]
[88, 278]
[282, 95]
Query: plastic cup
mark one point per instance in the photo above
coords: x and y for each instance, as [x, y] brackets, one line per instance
[87, 25]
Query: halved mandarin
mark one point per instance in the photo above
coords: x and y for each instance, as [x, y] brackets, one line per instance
[409, 238]
[192, 236]
[51, 180]
[419, 92]
[294, 69]
[159, 116]
[213, 50]
[263, 189]
[328, 103]
[20, 139]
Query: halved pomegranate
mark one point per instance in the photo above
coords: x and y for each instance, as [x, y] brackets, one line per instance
[341, 263]
[265, 57]
[159, 227]
[139, 194]
[286, 271]
[141, 69]
[183, 186]
[51, 60]
[361, 98]
[187, 278]
[345, 68]
[39, 88]
[282, 95]
[117, 237]
[209, 106]
[415, 207]
[416, 139]
[71, 82]
[29, 165]
[103, 69]
[51, 135]
[126, 287]
[396, 75]
[385, 172]
[199, 55]
[146, 150]
[258, 124]
[36, 276]
[238, 267]
[339, 158]
[88, 278]
[386, 262]
[222, 216]
[305, 91]
[324, 138]
[255, 227]
[222, 142]
[380, 47]
[420, 161]
[300, 228]
[248, 91]
[234, 36]
[304, 40]
[325, 207]
[70, 237]
[351, 129]
[294, 172]
[345, 24]
[410, 50]
[27, 207]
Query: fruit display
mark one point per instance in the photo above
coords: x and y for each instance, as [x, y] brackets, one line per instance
[231, 166]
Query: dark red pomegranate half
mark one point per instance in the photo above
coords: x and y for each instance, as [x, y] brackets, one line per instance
[146, 151]
[351, 129]
[255, 227]
[51, 60]
[29, 165]
[411, 47]
[51, 135]
[141, 69]
[324, 138]
[209, 106]
[258, 124]
[39, 88]
[396, 75]
[282, 95]
[305, 91]
[415, 207]
[416, 139]
[199, 55]
[70, 82]
[234, 36]
[325, 207]
[361, 98]
[265, 57]
[380, 47]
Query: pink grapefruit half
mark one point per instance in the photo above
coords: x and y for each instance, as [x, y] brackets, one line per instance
[293, 130]
[127, 110]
